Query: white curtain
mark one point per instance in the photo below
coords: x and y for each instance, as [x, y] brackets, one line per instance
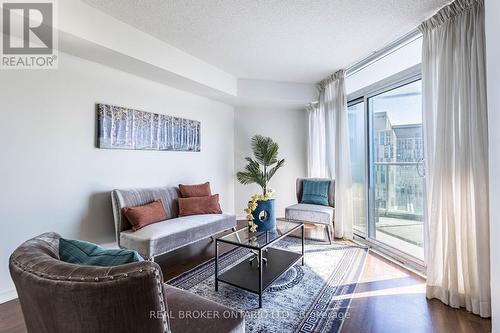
[328, 148]
[456, 150]
[316, 165]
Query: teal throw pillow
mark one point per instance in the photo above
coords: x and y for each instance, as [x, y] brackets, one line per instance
[86, 253]
[315, 192]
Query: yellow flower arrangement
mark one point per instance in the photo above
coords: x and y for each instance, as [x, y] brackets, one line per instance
[252, 205]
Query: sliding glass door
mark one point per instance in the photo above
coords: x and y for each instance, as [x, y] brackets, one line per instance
[396, 180]
[385, 123]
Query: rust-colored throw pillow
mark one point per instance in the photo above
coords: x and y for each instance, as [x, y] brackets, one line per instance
[141, 216]
[199, 205]
[198, 190]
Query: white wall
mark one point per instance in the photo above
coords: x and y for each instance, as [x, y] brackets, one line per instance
[274, 94]
[52, 178]
[288, 128]
[493, 69]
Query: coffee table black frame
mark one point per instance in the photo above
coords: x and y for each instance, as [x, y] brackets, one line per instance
[271, 262]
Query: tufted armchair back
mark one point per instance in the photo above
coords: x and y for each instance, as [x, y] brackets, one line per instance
[56, 296]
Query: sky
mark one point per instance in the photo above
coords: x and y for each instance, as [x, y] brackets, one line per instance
[403, 105]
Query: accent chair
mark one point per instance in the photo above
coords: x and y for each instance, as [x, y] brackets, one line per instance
[59, 297]
[314, 214]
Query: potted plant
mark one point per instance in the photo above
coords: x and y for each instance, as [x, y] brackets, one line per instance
[260, 170]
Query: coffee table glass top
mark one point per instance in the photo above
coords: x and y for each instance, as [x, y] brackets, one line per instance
[259, 240]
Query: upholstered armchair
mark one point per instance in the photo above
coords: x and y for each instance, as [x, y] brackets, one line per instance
[314, 214]
[56, 296]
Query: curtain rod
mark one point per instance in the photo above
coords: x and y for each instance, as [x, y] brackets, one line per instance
[384, 51]
[381, 53]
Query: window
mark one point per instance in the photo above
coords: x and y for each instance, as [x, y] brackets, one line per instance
[397, 220]
[385, 122]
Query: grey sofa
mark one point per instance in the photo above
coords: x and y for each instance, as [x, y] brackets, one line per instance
[165, 236]
[314, 214]
[59, 297]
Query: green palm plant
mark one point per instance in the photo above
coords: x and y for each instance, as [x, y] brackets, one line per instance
[263, 166]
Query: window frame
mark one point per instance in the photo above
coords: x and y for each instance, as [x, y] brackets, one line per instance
[353, 102]
[395, 81]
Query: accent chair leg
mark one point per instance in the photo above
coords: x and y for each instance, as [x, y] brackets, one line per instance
[233, 229]
[332, 233]
[328, 231]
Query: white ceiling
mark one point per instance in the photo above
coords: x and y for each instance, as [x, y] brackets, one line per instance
[280, 40]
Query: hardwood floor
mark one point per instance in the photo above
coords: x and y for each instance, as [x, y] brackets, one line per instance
[388, 299]
[11, 318]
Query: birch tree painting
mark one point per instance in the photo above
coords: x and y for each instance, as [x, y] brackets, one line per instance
[123, 128]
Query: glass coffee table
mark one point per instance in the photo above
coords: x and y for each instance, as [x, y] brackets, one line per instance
[267, 263]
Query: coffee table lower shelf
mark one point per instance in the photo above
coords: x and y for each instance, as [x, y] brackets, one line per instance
[245, 275]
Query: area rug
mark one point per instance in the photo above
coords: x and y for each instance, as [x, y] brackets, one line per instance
[310, 298]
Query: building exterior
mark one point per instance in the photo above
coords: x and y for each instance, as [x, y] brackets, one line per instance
[398, 150]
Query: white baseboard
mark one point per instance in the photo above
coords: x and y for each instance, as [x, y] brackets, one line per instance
[7, 295]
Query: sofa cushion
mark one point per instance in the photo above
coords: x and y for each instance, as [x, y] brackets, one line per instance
[141, 196]
[310, 213]
[199, 205]
[331, 194]
[198, 190]
[141, 216]
[86, 253]
[168, 235]
[315, 192]
[218, 318]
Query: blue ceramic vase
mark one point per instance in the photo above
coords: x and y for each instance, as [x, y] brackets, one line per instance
[264, 215]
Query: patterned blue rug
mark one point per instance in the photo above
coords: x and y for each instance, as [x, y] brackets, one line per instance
[310, 298]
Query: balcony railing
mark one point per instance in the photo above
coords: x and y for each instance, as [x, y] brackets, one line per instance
[398, 190]
[399, 205]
